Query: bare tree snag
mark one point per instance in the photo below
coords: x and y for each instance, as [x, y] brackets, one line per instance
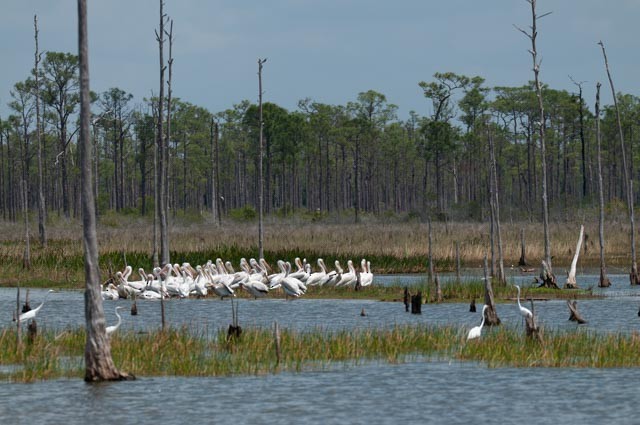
[604, 281]
[532, 329]
[97, 354]
[634, 278]
[457, 262]
[571, 278]
[431, 272]
[573, 309]
[491, 315]
[438, 289]
[416, 303]
[260, 160]
[547, 277]
[42, 231]
[472, 306]
[522, 261]
[405, 299]
[541, 132]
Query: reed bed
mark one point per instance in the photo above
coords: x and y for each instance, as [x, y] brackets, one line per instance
[179, 352]
[391, 248]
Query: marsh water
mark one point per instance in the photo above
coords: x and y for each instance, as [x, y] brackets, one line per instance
[414, 391]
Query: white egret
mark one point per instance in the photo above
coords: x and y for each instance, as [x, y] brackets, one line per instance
[477, 331]
[525, 312]
[113, 328]
[32, 313]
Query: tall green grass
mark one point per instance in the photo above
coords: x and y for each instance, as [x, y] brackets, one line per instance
[180, 352]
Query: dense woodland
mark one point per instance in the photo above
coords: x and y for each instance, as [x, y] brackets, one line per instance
[319, 159]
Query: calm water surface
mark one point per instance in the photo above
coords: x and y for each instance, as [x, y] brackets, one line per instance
[370, 393]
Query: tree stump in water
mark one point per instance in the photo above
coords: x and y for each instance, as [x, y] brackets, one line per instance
[532, 329]
[438, 289]
[472, 306]
[406, 299]
[604, 281]
[134, 308]
[26, 306]
[491, 315]
[575, 316]
[547, 277]
[32, 330]
[233, 333]
[416, 303]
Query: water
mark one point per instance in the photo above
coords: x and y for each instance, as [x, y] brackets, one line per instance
[417, 391]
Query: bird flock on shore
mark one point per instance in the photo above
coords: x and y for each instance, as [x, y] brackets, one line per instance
[255, 277]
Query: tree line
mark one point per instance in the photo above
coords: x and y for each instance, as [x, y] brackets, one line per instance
[319, 158]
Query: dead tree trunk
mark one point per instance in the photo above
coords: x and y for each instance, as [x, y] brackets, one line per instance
[571, 278]
[491, 315]
[97, 354]
[532, 329]
[42, 232]
[431, 272]
[604, 281]
[260, 159]
[161, 200]
[574, 315]
[634, 278]
[522, 261]
[438, 289]
[541, 127]
[547, 277]
[416, 303]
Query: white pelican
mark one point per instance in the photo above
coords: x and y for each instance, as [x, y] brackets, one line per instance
[317, 277]
[349, 278]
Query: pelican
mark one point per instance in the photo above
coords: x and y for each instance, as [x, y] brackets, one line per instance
[349, 277]
[31, 314]
[317, 277]
[477, 331]
[113, 328]
[366, 277]
[525, 312]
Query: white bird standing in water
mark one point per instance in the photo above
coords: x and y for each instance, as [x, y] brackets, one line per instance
[477, 331]
[525, 312]
[113, 328]
[32, 313]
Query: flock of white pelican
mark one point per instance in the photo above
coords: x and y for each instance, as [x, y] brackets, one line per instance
[255, 277]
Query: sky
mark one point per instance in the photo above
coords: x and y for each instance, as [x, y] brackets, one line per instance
[328, 50]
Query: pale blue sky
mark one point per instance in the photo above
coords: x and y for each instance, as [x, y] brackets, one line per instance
[328, 50]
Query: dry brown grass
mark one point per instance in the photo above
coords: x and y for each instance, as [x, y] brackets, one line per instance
[407, 243]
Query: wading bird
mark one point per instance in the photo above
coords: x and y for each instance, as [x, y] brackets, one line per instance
[525, 312]
[32, 313]
[477, 331]
[113, 328]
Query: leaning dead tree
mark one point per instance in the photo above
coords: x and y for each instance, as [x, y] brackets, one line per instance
[491, 315]
[574, 315]
[495, 207]
[634, 278]
[571, 278]
[549, 279]
[97, 354]
[604, 280]
[531, 324]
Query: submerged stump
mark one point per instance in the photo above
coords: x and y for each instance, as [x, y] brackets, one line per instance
[416, 303]
[574, 314]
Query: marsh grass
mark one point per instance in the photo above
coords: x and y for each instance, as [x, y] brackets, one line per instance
[179, 352]
[391, 248]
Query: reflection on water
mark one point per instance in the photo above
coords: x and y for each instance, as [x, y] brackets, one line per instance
[372, 393]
